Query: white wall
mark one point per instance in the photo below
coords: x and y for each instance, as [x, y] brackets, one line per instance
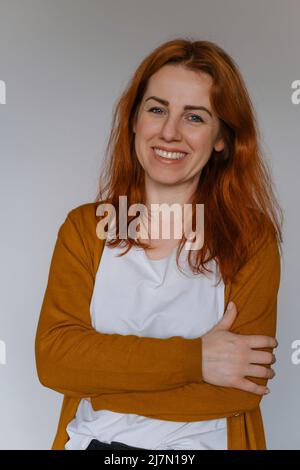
[64, 63]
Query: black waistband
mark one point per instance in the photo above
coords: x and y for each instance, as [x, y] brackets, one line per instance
[98, 445]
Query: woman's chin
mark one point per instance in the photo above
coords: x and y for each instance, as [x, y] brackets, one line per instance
[162, 179]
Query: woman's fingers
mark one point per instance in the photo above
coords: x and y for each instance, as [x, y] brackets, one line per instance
[251, 387]
[260, 341]
[262, 357]
[259, 371]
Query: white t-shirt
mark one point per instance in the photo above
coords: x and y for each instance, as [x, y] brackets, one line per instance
[152, 298]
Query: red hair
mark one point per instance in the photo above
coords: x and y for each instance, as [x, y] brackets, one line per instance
[235, 185]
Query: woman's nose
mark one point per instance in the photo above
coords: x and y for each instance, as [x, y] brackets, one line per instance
[171, 129]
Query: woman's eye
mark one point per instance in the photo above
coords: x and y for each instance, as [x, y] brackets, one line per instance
[199, 119]
[151, 109]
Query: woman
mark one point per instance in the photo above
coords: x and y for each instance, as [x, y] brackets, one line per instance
[142, 344]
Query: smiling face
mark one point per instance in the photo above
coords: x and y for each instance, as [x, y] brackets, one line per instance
[165, 123]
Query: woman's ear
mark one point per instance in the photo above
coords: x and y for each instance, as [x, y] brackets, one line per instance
[219, 145]
[135, 119]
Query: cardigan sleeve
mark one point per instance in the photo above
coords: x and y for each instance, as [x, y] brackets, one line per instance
[254, 292]
[74, 359]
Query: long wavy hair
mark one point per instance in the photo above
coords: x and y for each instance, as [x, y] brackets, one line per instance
[235, 185]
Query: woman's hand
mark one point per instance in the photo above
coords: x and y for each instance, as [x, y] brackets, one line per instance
[227, 358]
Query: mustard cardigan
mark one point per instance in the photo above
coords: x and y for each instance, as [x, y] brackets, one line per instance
[152, 377]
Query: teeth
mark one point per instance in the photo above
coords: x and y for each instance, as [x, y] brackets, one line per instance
[170, 155]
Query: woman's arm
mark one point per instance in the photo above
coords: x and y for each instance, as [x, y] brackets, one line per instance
[76, 360]
[255, 294]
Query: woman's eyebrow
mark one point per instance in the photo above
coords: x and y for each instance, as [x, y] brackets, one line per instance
[187, 106]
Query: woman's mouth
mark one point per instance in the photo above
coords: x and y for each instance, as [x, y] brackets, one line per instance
[168, 157]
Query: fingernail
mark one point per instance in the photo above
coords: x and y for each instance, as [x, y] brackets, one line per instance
[230, 305]
[267, 391]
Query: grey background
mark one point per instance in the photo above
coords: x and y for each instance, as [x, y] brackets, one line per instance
[65, 63]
